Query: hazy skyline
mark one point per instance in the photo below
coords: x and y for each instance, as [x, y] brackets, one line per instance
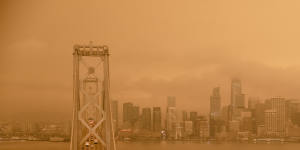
[159, 49]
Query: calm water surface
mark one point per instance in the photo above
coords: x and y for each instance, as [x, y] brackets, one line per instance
[153, 146]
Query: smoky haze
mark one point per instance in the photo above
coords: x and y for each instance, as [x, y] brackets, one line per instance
[159, 48]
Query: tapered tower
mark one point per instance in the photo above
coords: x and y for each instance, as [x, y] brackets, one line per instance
[92, 120]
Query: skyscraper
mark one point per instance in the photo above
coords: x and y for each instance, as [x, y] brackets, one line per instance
[257, 114]
[136, 114]
[184, 116]
[293, 111]
[128, 113]
[193, 117]
[271, 123]
[237, 98]
[215, 102]
[278, 104]
[171, 120]
[146, 118]
[114, 111]
[202, 127]
[188, 128]
[156, 119]
[171, 115]
[252, 102]
[240, 101]
[171, 101]
[275, 118]
[215, 110]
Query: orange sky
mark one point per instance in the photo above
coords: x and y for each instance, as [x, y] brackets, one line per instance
[159, 48]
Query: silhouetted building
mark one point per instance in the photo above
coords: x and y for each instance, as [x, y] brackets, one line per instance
[224, 113]
[201, 127]
[136, 114]
[193, 117]
[237, 98]
[234, 126]
[258, 113]
[146, 118]
[227, 115]
[188, 128]
[279, 105]
[128, 113]
[156, 119]
[184, 116]
[275, 118]
[236, 90]
[293, 111]
[171, 101]
[271, 123]
[252, 102]
[215, 102]
[171, 117]
[260, 131]
[230, 112]
[178, 127]
[171, 120]
[240, 101]
[248, 125]
[215, 110]
[114, 111]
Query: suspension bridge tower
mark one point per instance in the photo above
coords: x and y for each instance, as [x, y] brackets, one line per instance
[92, 120]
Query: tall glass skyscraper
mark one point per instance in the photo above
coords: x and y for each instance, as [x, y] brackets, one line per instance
[215, 102]
[171, 117]
[156, 119]
[237, 98]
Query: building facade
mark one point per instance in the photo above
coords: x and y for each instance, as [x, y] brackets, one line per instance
[146, 118]
[156, 119]
[115, 116]
[128, 114]
[275, 118]
[215, 102]
[237, 98]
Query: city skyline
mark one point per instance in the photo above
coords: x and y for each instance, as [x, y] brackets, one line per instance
[171, 100]
[153, 74]
[275, 118]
